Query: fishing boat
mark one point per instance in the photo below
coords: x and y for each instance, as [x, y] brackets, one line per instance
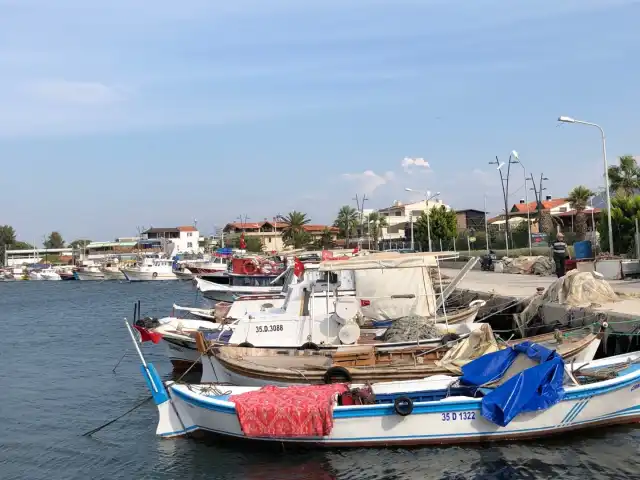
[111, 271]
[89, 272]
[371, 363]
[47, 274]
[522, 392]
[150, 269]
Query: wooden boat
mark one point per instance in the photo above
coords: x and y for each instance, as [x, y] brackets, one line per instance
[367, 363]
[525, 402]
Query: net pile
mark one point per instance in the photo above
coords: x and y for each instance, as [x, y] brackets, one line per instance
[413, 327]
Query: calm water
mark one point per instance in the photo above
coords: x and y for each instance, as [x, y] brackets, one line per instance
[60, 341]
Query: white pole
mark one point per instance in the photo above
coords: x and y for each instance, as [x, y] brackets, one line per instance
[526, 201]
[486, 228]
[412, 244]
[429, 226]
[144, 364]
[606, 183]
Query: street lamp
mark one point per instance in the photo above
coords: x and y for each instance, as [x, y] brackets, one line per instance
[606, 170]
[427, 197]
[516, 159]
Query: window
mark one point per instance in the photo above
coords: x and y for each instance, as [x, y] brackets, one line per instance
[398, 213]
[269, 239]
[189, 234]
[189, 245]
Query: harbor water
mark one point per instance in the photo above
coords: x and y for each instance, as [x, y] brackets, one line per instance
[61, 340]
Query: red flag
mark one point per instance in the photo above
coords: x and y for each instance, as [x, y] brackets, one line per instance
[326, 255]
[147, 336]
[243, 245]
[298, 268]
[356, 250]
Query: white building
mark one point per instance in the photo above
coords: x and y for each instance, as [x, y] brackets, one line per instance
[185, 238]
[400, 215]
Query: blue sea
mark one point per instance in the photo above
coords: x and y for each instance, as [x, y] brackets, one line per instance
[60, 342]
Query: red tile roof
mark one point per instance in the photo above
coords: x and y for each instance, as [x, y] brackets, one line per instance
[531, 206]
[320, 228]
[267, 224]
[187, 228]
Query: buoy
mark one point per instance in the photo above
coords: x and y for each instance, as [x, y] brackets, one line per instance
[249, 267]
[155, 275]
[335, 373]
[403, 406]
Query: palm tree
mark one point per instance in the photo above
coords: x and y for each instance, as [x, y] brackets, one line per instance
[625, 178]
[346, 221]
[376, 222]
[578, 198]
[293, 232]
[326, 239]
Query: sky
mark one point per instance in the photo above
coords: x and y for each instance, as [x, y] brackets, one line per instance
[122, 114]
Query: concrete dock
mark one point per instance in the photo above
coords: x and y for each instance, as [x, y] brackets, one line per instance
[502, 288]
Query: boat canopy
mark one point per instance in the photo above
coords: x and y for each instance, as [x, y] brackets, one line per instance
[528, 376]
[382, 260]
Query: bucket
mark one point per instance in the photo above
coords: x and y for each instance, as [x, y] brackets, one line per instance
[583, 250]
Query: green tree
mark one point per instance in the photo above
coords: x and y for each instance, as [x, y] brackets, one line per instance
[442, 222]
[325, 241]
[252, 244]
[346, 221]
[578, 198]
[624, 179]
[80, 243]
[22, 246]
[54, 241]
[293, 232]
[547, 224]
[376, 223]
[7, 239]
[624, 211]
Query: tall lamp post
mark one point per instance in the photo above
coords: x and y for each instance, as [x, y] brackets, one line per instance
[516, 159]
[427, 197]
[504, 181]
[606, 170]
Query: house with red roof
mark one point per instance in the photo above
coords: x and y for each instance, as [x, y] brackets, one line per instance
[270, 232]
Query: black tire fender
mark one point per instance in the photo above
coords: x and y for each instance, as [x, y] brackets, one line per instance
[309, 346]
[403, 406]
[449, 337]
[336, 372]
[245, 345]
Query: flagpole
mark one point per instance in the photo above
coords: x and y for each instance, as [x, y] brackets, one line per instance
[144, 363]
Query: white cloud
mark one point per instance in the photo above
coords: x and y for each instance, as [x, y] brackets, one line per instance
[408, 163]
[78, 93]
[369, 181]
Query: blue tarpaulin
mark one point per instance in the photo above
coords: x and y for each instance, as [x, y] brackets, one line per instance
[536, 388]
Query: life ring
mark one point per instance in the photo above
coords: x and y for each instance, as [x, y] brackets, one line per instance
[249, 267]
[310, 346]
[335, 373]
[403, 406]
[449, 337]
[154, 274]
[245, 345]
[477, 303]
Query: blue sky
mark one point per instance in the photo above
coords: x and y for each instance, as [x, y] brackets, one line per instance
[121, 113]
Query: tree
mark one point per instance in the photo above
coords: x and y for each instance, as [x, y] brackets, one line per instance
[624, 211]
[7, 238]
[346, 221]
[546, 223]
[80, 243]
[376, 222]
[54, 241]
[578, 198]
[252, 244]
[22, 246]
[624, 179]
[293, 232]
[325, 240]
[442, 222]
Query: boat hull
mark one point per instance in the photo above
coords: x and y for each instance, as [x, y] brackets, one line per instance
[138, 276]
[454, 420]
[111, 275]
[88, 276]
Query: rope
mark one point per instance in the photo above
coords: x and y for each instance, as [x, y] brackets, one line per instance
[91, 432]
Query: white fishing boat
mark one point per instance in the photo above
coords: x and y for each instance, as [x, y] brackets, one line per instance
[522, 392]
[183, 274]
[48, 274]
[89, 272]
[112, 272]
[238, 286]
[150, 269]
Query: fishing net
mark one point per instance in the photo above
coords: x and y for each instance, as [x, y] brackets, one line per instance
[537, 265]
[576, 289]
[413, 327]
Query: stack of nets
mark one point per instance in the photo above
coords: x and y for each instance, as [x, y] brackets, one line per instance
[413, 327]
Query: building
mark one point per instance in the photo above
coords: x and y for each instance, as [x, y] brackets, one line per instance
[399, 217]
[559, 208]
[270, 232]
[470, 219]
[185, 238]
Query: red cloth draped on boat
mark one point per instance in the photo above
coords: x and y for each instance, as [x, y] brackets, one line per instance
[298, 411]
[298, 267]
[147, 336]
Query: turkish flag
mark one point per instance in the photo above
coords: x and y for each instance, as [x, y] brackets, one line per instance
[356, 250]
[146, 335]
[298, 268]
[326, 255]
[243, 245]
